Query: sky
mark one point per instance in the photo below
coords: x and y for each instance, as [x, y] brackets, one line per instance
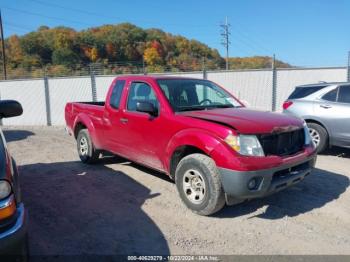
[309, 33]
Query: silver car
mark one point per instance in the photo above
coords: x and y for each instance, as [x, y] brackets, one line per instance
[326, 109]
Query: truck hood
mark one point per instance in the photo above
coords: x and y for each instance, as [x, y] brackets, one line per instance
[248, 121]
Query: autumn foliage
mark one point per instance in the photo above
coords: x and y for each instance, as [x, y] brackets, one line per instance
[63, 50]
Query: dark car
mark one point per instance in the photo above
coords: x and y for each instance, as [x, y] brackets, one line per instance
[13, 232]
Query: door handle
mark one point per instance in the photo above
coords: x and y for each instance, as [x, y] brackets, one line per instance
[326, 106]
[124, 120]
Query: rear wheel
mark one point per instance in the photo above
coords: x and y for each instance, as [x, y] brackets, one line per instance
[319, 136]
[86, 149]
[198, 183]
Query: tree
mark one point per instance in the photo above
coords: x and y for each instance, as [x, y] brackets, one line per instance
[152, 57]
[254, 62]
[93, 54]
[123, 42]
[64, 57]
[14, 51]
[33, 44]
[43, 28]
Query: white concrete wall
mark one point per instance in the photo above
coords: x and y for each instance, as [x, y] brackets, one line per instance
[288, 79]
[102, 86]
[63, 90]
[252, 86]
[31, 94]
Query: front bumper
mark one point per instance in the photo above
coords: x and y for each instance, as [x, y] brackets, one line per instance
[268, 181]
[15, 233]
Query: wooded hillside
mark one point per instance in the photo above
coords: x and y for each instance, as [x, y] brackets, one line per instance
[62, 50]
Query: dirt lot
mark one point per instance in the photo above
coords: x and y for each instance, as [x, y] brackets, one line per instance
[117, 207]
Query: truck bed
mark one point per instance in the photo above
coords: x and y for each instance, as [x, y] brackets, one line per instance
[94, 111]
[99, 103]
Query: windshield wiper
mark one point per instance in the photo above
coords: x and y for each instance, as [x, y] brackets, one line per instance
[222, 106]
[208, 107]
[191, 108]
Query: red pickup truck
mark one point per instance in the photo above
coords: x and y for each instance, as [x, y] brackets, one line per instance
[197, 133]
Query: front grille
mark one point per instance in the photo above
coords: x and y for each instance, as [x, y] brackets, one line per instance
[283, 144]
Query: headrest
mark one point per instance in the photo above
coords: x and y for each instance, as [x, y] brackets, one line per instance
[143, 90]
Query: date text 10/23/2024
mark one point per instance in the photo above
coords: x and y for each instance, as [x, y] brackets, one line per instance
[174, 258]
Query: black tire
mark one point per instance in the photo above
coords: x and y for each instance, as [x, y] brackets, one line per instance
[91, 154]
[213, 198]
[323, 136]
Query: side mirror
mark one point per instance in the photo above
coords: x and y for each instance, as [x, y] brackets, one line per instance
[10, 108]
[146, 107]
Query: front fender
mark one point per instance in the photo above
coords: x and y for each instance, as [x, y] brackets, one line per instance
[195, 137]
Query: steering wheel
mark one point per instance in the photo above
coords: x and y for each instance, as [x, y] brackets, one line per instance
[205, 100]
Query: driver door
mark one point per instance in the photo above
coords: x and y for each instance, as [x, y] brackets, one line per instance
[141, 133]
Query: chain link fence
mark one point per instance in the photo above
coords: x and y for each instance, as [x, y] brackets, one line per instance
[116, 68]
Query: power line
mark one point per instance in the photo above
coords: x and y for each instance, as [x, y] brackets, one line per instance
[45, 16]
[69, 8]
[251, 41]
[99, 15]
[25, 29]
[15, 29]
[18, 26]
[225, 33]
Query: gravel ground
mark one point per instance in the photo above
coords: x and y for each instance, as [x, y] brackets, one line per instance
[118, 207]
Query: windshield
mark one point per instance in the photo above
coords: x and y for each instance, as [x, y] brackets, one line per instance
[191, 94]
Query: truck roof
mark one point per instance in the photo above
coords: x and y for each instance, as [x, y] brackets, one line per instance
[154, 77]
[322, 84]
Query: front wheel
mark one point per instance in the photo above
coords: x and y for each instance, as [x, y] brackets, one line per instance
[198, 183]
[86, 149]
[319, 136]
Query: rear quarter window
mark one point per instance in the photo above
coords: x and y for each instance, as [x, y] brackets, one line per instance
[344, 94]
[331, 95]
[301, 92]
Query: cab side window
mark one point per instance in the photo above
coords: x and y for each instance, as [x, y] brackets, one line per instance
[117, 91]
[141, 92]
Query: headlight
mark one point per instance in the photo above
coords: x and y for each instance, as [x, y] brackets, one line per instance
[5, 189]
[308, 139]
[247, 145]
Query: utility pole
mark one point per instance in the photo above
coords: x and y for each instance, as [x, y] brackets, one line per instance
[3, 48]
[225, 33]
[204, 69]
[274, 83]
[143, 66]
[348, 68]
